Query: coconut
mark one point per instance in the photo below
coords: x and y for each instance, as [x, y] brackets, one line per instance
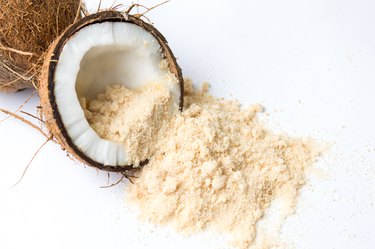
[27, 29]
[98, 50]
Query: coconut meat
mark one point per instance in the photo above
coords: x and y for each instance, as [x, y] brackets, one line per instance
[98, 55]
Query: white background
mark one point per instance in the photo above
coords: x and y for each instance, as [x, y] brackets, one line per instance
[311, 63]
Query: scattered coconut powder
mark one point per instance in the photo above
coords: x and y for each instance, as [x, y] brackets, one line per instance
[214, 166]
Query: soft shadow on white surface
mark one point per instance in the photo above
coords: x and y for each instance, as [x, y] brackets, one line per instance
[311, 63]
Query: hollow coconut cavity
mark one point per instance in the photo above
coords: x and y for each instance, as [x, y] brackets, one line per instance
[100, 50]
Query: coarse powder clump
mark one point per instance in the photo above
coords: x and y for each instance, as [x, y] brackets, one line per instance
[215, 167]
[132, 117]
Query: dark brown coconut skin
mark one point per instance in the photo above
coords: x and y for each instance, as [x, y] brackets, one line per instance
[47, 82]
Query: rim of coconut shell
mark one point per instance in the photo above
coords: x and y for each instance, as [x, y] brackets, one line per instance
[47, 83]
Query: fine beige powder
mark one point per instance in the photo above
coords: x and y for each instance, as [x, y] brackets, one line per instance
[137, 118]
[213, 167]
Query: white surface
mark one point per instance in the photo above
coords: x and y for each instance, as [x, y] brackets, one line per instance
[311, 63]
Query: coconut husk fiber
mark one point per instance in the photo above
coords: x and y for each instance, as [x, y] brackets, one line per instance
[27, 29]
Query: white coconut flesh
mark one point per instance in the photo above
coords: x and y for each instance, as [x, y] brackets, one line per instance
[98, 55]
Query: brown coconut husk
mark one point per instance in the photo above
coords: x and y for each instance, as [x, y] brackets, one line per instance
[50, 110]
[27, 29]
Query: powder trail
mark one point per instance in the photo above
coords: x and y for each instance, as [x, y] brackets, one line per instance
[214, 166]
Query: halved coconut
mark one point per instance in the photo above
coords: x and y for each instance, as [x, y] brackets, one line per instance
[104, 48]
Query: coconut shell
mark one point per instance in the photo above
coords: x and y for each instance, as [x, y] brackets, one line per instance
[27, 29]
[50, 111]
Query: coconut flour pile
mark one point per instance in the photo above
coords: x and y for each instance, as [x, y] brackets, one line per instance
[137, 118]
[214, 166]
